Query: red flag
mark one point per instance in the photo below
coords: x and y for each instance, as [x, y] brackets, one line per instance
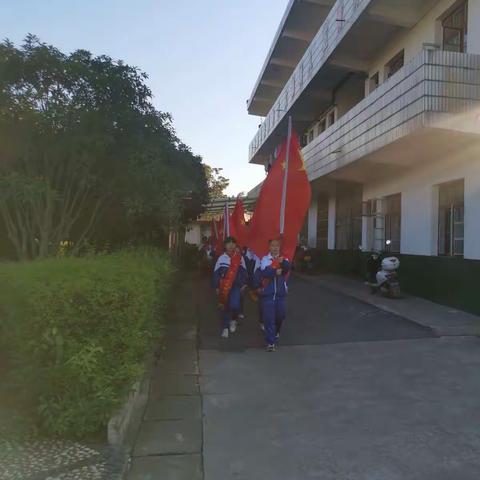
[238, 226]
[285, 195]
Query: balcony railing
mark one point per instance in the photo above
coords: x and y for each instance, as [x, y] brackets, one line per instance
[336, 25]
[433, 82]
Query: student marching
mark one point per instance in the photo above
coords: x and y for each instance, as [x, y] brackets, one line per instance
[272, 236]
[229, 280]
[273, 290]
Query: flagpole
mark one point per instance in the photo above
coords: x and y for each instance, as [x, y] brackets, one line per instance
[285, 177]
[226, 216]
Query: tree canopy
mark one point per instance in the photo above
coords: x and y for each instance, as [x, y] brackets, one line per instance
[85, 156]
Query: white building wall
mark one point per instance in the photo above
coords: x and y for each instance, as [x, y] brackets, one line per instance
[419, 189]
[473, 26]
[193, 235]
[472, 212]
[427, 31]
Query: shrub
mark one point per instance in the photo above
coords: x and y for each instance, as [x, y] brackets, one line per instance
[77, 330]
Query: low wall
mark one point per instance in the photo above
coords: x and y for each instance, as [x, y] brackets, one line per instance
[448, 281]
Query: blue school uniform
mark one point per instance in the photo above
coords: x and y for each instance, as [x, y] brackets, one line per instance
[232, 307]
[252, 262]
[273, 290]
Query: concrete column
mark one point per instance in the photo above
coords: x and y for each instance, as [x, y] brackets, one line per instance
[312, 222]
[332, 205]
[472, 214]
[473, 27]
[433, 208]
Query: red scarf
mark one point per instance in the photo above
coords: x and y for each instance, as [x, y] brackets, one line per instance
[275, 265]
[226, 283]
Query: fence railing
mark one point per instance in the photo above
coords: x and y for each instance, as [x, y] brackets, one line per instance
[434, 81]
[340, 19]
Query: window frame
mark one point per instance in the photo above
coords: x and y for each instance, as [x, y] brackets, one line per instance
[374, 81]
[393, 215]
[463, 30]
[393, 65]
[446, 234]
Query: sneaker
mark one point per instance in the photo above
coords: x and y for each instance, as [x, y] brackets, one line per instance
[241, 316]
[262, 327]
[224, 333]
[233, 326]
[270, 348]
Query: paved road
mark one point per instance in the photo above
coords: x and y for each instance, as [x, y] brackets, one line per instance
[353, 393]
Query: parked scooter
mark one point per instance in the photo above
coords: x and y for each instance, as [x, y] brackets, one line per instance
[303, 261]
[382, 274]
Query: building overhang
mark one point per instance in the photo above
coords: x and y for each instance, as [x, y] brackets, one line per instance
[425, 146]
[431, 103]
[299, 25]
[373, 27]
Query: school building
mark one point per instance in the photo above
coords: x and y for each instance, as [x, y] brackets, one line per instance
[386, 97]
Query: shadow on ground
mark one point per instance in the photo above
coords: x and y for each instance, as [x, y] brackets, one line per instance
[315, 316]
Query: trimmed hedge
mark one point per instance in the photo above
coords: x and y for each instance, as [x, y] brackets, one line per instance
[76, 332]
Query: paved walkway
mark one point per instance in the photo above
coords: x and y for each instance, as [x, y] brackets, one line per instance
[170, 440]
[353, 393]
[444, 321]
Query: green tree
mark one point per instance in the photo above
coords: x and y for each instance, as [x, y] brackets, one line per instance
[85, 155]
[217, 183]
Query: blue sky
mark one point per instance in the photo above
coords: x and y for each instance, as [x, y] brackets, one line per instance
[202, 57]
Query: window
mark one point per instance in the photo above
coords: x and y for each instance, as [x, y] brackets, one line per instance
[451, 213]
[393, 223]
[395, 64]
[322, 223]
[310, 135]
[304, 140]
[322, 125]
[348, 219]
[374, 82]
[331, 118]
[455, 29]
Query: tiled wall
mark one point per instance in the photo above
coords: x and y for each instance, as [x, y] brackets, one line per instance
[434, 81]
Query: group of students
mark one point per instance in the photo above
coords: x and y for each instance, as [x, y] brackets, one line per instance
[236, 271]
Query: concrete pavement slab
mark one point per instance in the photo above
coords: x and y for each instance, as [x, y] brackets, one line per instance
[174, 407]
[169, 437]
[388, 410]
[181, 331]
[178, 361]
[167, 467]
[168, 383]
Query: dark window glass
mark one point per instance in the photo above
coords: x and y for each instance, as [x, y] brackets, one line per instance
[348, 225]
[322, 223]
[395, 64]
[393, 222]
[451, 223]
[455, 29]
[322, 125]
[374, 82]
[331, 118]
